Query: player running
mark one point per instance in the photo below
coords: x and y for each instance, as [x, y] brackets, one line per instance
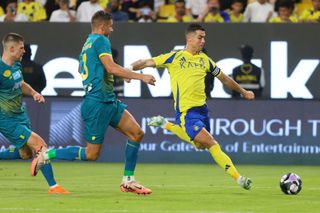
[14, 121]
[100, 108]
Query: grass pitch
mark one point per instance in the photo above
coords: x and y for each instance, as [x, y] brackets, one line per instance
[186, 188]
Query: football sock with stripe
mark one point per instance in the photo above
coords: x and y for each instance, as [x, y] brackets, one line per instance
[69, 153]
[224, 161]
[10, 154]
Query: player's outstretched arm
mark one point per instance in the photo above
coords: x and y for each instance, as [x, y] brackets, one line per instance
[125, 73]
[143, 63]
[28, 90]
[231, 84]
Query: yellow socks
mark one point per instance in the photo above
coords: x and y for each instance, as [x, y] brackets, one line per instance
[177, 130]
[224, 161]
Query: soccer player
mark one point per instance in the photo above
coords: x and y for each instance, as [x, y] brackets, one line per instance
[100, 108]
[14, 121]
[187, 69]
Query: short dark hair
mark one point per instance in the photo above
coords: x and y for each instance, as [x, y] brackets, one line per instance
[193, 28]
[12, 1]
[11, 37]
[179, 1]
[100, 17]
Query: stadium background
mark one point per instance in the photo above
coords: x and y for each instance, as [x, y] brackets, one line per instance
[289, 127]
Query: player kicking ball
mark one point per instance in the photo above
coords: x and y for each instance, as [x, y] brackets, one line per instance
[187, 69]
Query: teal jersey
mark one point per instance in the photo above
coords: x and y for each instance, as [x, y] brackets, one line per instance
[10, 88]
[98, 84]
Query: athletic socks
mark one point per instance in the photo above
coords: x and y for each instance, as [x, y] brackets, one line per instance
[70, 153]
[131, 156]
[9, 154]
[224, 161]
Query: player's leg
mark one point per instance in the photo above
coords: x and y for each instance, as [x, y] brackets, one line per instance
[96, 118]
[10, 153]
[35, 142]
[159, 121]
[129, 127]
[205, 139]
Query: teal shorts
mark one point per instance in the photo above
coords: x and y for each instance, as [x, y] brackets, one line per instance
[97, 116]
[16, 128]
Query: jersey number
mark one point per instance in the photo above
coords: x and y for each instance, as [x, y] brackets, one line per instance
[84, 75]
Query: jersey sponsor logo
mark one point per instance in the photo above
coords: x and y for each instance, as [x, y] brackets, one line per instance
[16, 75]
[7, 73]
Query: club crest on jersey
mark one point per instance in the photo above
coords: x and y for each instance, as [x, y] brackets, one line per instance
[196, 128]
[7, 73]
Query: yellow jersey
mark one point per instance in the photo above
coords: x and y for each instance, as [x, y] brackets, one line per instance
[235, 19]
[277, 19]
[33, 10]
[103, 3]
[187, 77]
[310, 15]
[1, 11]
[217, 18]
[173, 19]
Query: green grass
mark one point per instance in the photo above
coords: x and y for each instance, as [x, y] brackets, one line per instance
[185, 188]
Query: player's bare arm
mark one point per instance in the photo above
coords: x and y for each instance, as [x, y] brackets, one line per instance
[231, 84]
[143, 63]
[119, 71]
[28, 90]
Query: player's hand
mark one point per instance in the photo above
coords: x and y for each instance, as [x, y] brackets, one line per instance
[249, 95]
[127, 80]
[148, 79]
[38, 98]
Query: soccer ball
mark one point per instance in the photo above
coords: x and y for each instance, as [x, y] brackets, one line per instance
[291, 184]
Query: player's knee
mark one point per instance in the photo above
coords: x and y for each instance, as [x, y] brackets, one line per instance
[199, 145]
[92, 156]
[137, 136]
[25, 155]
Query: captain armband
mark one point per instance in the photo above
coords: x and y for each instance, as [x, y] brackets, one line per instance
[216, 71]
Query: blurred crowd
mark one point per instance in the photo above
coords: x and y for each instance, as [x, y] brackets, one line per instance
[218, 11]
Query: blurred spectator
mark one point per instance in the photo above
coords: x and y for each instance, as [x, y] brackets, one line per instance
[236, 11]
[63, 14]
[87, 9]
[131, 7]
[113, 8]
[1, 11]
[11, 13]
[248, 75]
[42, 2]
[32, 72]
[195, 7]
[285, 13]
[50, 6]
[259, 11]
[33, 10]
[213, 13]
[145, 13]
[103, 3]
[180, 13]
[313, 14]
